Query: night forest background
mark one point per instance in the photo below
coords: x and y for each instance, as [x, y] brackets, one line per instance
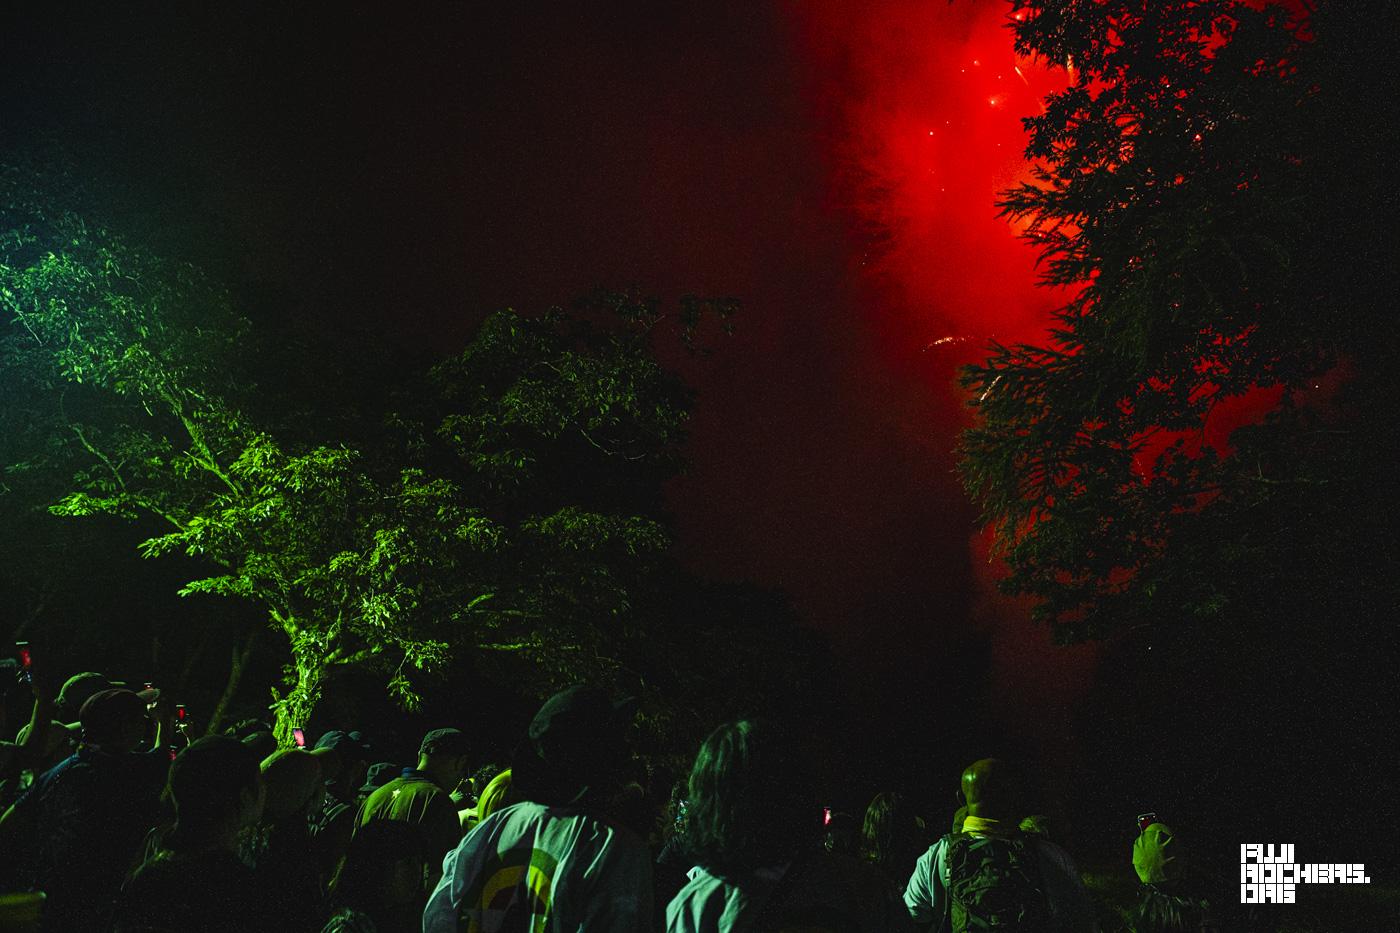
[863, 404]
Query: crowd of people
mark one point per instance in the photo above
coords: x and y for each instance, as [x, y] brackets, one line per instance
[115, 819]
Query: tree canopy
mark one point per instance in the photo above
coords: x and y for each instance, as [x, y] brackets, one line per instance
[1195, 465]
[508, 501]
[1182, 181]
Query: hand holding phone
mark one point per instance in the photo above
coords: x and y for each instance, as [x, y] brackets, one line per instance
[182, 721]
[26, 662]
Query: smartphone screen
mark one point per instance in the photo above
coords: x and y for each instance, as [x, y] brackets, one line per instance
[299, 737]
[826, 816]
[180, 712]
[26, 661]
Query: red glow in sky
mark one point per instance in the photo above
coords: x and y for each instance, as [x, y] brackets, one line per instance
[923, 104]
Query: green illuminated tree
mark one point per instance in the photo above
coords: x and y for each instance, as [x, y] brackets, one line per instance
[510, 507]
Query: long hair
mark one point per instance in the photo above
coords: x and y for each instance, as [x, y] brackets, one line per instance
[749, 806]
[893, 836]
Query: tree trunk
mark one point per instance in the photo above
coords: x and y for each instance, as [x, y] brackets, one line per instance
[294, 710]
[237, 665]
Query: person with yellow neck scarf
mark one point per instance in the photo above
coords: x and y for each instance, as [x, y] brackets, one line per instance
[990, 874]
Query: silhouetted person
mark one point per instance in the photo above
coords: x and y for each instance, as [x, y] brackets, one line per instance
[343, 781]
[382, 884]
[343, 757]
[38, 697]
[281, 848]
[1172, 897]
[195, 879]
[991, 874]
[556, 861]
[674, 860]
[376, 776]
[421, 796]
[842, 835]
[496, 795]
[753, 827]
[893, 837]
[82, 824]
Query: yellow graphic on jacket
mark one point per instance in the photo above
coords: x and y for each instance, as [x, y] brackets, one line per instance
[514, 894]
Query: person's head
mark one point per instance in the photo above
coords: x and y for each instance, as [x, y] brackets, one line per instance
[377, 775]
[576, 750]
[1157, 855]
[678, 805]
[77, 689]
[444, 753]
[62, 739]
[893, 835]
[842, 834]
[1038, 824]
[349, 756]
[217, 790]
[989, 788]
[294, 788]
[113, 720]
[749, 806]
[332, 765]
[496, 795]
[384, 870]
[483, 775]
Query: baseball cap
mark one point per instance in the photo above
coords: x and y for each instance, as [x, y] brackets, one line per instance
[576, 744]
[350, 745]
[379, 774]
[76, 690]
[444, 742]
[105, 714]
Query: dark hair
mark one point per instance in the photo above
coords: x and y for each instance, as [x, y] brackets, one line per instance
[485, 775]
[748, 804]
[207, 782]
[892, 837]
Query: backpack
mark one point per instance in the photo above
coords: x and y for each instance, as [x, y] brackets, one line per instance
[994, 884]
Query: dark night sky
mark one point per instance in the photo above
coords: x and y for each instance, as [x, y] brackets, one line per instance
[831, 165]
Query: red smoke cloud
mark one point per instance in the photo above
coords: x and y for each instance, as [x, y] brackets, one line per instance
[920, 104]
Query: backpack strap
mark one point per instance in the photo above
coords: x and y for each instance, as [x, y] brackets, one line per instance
[946, 923]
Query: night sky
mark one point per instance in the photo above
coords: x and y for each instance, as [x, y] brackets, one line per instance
[832, 165]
